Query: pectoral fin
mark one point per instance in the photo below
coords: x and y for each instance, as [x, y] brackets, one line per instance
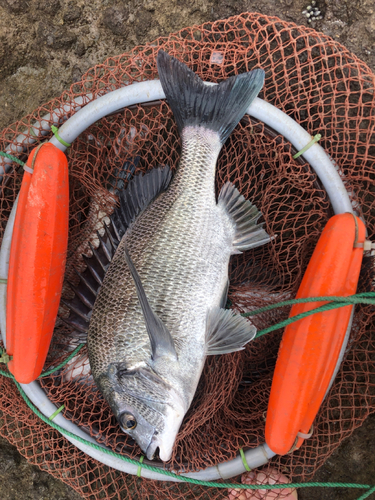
[227, 331]
[161, 340]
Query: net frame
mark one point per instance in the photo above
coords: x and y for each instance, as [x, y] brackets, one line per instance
[255, 457]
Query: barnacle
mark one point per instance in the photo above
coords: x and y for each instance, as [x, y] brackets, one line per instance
[312, 12]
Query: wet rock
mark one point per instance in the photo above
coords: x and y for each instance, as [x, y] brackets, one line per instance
[20, 480]
[114, 18]
[49, 6]
[143, 22]
[80, 48]
[73, 13]
[76, 74]
[55, 37]
[15, 5]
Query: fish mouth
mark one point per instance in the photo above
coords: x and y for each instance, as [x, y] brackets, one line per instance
[165, 450]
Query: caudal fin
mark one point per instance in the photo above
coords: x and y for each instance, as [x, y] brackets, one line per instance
[215, 107]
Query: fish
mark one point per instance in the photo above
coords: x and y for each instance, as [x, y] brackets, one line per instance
[159, 309]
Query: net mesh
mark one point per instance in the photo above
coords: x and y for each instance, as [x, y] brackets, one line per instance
[325, 89]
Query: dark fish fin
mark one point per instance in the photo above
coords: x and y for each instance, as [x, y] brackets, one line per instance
[244, 216]
[217, 107]
[76, 306]
[161, 340]
[227, 331]
[90, 280]
[77, 322]
[139, 193]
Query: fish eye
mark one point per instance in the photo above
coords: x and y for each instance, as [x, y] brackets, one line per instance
[128, 421]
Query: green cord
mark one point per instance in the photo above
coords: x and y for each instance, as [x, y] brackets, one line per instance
[367, 494]
[245, 464]
[13, 158]
[55, 413]
[45, 374]
[359, 298]
[140, 466]
[4, 358]
[183, 478]
[315, 139]
[55, 131]
[335, 302]
[3, 281]
[367, 298]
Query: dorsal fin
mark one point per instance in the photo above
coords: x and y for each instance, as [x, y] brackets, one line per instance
[244, 216]
[139, 193]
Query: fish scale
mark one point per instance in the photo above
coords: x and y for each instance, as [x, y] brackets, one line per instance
[171, 260]
[158, 312]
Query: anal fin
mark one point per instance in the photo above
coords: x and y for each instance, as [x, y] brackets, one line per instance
[244, 215]
[227, 331]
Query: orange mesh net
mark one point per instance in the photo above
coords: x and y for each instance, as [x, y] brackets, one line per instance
[325, 89]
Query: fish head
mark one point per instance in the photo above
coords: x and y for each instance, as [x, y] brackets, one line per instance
[146, 406]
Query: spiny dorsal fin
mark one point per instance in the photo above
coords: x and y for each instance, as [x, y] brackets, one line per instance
[244, 216]
[139, 193]
[227, 331]
[161, 340]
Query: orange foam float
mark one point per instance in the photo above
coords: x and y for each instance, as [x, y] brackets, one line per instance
[310, 348]
[37, 261]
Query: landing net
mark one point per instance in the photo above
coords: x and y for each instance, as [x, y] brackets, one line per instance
[327, 90]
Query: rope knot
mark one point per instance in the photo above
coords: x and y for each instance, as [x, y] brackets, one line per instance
[5, 358]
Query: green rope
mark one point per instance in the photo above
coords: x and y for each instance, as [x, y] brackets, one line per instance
[13, 158]
[183, 478]
[55, 131]
[366, 298]
[140, 466]
[52, 370]
[367, 494]
[315, 139]
[3, 281]
[362, 298]
[245, 464]
[55, 413]
[359, 298]
[335, 302]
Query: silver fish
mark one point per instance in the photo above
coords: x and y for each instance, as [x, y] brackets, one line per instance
[160, 309]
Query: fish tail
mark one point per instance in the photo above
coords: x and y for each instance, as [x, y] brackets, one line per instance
[216, 107]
